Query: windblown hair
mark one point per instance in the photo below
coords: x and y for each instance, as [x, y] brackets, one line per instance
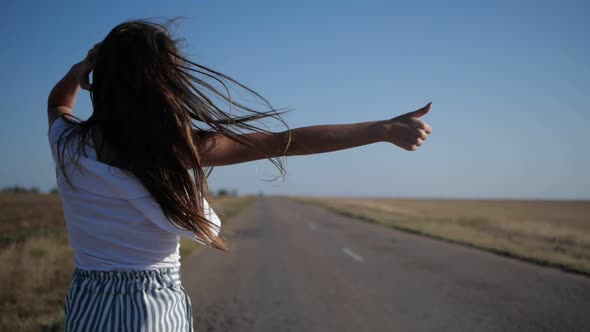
[145, 96]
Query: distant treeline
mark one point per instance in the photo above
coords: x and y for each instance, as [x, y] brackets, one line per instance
[225, 192]
[21, 189]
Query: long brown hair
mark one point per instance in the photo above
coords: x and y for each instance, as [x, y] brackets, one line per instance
[145, 96]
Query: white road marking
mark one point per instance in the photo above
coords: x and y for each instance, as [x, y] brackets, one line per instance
[354, 255]
[311, 226]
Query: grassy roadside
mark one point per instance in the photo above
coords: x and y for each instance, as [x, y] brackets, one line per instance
[552, 233]
[38, 261]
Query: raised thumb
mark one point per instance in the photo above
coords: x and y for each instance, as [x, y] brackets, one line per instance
[421, 112]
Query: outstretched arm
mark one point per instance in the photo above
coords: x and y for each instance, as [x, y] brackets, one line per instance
[406, 131]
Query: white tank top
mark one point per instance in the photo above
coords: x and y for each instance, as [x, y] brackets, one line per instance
[113, 222]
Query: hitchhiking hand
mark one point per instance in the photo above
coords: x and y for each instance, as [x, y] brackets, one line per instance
[407, 131]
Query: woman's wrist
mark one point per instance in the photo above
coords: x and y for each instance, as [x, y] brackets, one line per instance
[377, 131]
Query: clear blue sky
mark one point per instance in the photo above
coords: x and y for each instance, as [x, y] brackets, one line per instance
[507, 80]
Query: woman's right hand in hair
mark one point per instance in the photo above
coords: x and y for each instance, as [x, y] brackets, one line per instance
[407, 131]
[83, 68]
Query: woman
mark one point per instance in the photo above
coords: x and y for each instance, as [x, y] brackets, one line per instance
[132, 177]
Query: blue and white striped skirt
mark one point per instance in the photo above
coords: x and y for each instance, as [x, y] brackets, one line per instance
[152, 300]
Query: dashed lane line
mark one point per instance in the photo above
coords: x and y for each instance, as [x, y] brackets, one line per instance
[354, 255]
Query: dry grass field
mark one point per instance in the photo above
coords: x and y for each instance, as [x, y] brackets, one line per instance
[555, 233]
[37, 259]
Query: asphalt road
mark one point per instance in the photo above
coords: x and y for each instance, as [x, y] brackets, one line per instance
[295, 267]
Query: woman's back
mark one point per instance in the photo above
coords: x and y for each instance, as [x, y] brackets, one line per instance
[112, 220]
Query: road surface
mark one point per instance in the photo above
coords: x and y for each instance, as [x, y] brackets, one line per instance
[296, 267]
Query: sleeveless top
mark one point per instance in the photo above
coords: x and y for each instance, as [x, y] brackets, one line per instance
[113, 222]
